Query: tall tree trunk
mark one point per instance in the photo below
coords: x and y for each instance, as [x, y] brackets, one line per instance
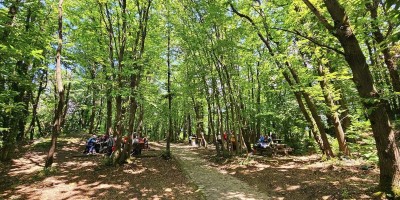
[109, 26]
[168, 153]
[92, 114]
[380, 39]
[337, 125]
[119, 156]
[311, 122]
[258, 120]
[60, 90]
[315, 116]
[35, 103]
[219, 113]
[389, 160]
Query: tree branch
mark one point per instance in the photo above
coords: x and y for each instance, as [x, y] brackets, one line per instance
[264, 39]
[321, 18]
[310, 39]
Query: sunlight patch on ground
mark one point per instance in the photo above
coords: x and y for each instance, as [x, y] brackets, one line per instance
[326, 197]
[33, 162]
[131, 171]
[69, 148]
[335, 183]
[182, 189]
[357, 179]
[238, 195]
[153, 170]
[293, 187]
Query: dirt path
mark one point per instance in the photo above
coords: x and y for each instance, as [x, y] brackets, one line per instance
[214, 184]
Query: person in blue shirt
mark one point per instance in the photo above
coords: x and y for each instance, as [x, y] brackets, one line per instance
[262, 139]
[90, 145]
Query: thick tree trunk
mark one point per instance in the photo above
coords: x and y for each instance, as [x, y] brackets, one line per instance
[389, 160]
[60, 90]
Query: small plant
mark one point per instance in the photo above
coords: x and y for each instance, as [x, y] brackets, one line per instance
[345, 193]
[246, 161]
[46, 172]
[107, 161]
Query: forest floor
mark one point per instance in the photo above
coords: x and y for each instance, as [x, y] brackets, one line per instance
[289, 177]
[78, 176]
[194, 173]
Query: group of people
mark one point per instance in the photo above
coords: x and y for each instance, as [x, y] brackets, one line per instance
[231, 143]
[264, 141]
[106, 144]
[103, 144]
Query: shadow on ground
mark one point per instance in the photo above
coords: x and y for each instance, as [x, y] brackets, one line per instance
[79, 176]
[299, 177]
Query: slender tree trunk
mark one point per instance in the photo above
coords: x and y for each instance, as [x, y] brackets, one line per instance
[92, 114]
[219, 113]
[337, 125]
[311, 122]
[60, 90]
[169, 89]
[66, 103]
[109, 26]
[118, 156]
[380, 39]
[314, 114]
[35, 103]
[345, 115]
[258, 120]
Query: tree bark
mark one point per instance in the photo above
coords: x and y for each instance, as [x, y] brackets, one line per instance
[389, 160]
[170, 130]
[60, 90]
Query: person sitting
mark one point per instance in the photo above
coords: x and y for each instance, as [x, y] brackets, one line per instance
[262, 139]
[146, 143]
[269, 140]
[136, 150]
[91, 144]
[262, 143]
[219, 138]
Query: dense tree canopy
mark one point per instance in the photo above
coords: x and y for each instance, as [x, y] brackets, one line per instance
[321, 74]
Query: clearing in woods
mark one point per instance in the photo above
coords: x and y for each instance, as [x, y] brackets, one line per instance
[193, 174]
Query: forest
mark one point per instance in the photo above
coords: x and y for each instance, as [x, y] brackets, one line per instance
[320, 75]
